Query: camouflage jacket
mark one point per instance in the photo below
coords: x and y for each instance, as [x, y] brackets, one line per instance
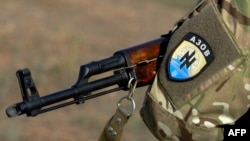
[215, 101]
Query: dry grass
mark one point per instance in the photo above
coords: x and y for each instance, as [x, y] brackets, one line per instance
[53, 38]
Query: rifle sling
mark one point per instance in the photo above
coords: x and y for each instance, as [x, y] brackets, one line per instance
[115, 126]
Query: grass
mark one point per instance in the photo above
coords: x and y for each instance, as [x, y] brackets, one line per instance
[53, 38]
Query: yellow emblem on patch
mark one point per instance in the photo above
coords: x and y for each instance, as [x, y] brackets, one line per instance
[189, 58]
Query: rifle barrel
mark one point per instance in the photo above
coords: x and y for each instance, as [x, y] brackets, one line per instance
[32, 106]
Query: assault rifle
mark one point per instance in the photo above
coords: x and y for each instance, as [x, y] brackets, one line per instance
[139, 62]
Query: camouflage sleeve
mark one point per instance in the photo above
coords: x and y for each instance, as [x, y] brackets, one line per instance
[236, 14]
[222, 98]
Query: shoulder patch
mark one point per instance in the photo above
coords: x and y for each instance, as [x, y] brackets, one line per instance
[189, 58]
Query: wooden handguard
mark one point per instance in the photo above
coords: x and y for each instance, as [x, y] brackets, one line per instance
[145, 59]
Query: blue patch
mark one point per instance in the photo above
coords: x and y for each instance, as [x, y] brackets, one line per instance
[189, 58]
[175, 70]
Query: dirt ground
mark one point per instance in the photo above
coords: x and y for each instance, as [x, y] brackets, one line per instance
[53, 39]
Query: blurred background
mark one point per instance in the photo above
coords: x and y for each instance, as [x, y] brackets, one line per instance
[53, 38]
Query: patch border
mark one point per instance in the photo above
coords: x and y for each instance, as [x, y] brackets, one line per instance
[209, 60]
